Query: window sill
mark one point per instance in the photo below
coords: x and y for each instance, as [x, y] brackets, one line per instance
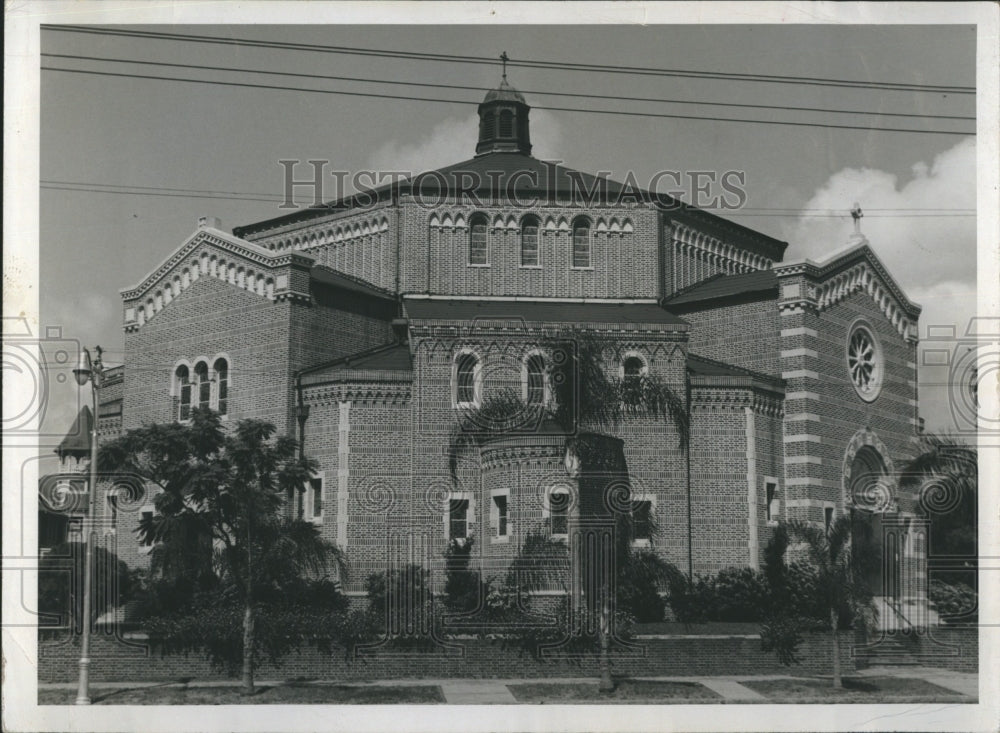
[478, 266]
[530, 267]
[559, 537]
[582, 269]
[466, 405]
[501, 540]
[641, 543]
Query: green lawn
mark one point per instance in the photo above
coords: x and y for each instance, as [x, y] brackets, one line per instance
[288, 694]
[634, 691]
[856, 689]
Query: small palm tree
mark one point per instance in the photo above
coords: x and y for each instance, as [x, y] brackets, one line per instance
[587, 406]
[840, 556]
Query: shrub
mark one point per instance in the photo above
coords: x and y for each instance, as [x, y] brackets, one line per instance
[463, 587]
[640, 583]
[951, 600]
[60, 584]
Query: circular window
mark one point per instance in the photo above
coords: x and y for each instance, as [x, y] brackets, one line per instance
[864, 362]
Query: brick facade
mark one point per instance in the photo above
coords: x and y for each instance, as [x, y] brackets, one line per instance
[296, 305]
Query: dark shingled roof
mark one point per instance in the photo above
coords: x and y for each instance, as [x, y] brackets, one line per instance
[328, 276]
[391, 361]
[701, 366]
[726, 286]
[540, 312]
[77, 440]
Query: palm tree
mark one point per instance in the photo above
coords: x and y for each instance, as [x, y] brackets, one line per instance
[840, 557]
[230, 487]
[944, 475]
[586, 408]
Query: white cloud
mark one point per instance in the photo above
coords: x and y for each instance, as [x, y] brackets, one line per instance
[924, 248]
[932, 256]
[454, 140]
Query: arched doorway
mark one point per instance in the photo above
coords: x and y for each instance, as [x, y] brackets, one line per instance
[870, 499]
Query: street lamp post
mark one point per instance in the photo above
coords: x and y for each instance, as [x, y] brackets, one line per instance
[92, 372]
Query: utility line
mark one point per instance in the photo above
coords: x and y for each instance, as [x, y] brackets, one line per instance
[526, 63]
[328, 77]
[790, 213]
[247, 85]
[794, 210]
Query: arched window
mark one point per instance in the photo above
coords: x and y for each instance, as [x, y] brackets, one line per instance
[221, 368]
[489, 125]
[581, 243]
[535, 380]
[633, 367]
[183, 377]
[478, 252]
[529, 241]
[506, 123]
[465, 379]
[204, 385]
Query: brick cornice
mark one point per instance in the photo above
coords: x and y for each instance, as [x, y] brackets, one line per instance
[364, 393]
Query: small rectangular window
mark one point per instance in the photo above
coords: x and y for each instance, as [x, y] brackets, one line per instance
[458, 519]
[559, 514]
[771, 508]
[316, 491]
[642, 520]
[827, 518]
[500, 504]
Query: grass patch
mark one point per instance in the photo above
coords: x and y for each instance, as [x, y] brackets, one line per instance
[635, 691]
[286, 694]
[856, 689]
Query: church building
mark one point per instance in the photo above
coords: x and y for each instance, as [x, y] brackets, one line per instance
[368, 327]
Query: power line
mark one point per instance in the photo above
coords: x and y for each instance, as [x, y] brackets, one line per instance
[792, 209]
[659, 115]
[743, 211]
[329, 77]
[525, 63]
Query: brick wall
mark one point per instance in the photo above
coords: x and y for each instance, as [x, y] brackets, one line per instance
[744, 334]
[467, 658]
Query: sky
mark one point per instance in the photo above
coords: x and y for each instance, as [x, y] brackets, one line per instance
[918, 189]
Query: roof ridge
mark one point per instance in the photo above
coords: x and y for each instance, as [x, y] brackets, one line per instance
[355, 279]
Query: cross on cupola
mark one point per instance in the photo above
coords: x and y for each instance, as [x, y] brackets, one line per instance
[503, 119]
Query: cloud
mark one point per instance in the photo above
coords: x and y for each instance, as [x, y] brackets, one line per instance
[907, 224]
[454, 140]
[932, 255]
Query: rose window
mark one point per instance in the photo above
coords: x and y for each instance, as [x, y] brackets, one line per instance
[864, 362]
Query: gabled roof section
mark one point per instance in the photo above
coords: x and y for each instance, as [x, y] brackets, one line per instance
[542, 311]
[856, 268]
[760, 284]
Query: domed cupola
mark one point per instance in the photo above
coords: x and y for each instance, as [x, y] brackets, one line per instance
[503, 121]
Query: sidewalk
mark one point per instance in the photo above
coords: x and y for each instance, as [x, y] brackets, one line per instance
[496, 692]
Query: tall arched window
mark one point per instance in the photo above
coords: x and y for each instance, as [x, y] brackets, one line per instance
[581, 243]
[506, 123]
[529, 241]
[535, 380]
[204, 385]
[183, 377]
[478, 251]
[221, 368]
[465, 379]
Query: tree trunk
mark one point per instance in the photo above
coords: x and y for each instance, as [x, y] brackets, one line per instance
[248, 621]
[834, 618]
[604, 660]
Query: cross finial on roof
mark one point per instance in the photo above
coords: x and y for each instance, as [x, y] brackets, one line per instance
[856, 213]
[504, 58]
